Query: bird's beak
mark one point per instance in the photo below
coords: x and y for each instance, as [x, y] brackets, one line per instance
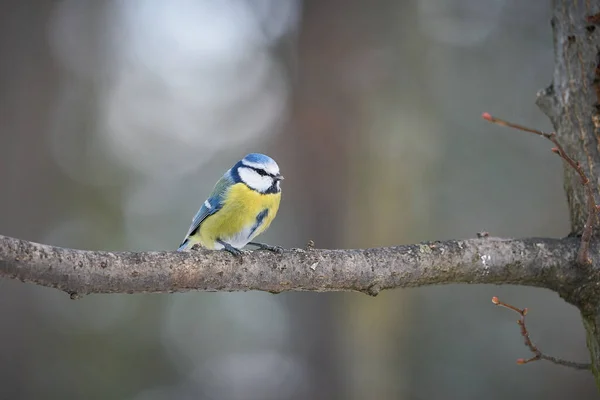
[279, 177]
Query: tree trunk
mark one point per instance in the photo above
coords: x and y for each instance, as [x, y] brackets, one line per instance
[572, 103]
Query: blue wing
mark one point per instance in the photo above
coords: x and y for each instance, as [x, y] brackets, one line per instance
[213, 204]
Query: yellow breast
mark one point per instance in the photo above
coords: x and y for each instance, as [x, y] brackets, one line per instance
[234, 221]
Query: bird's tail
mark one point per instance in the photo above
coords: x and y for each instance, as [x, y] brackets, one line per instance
[185, 245]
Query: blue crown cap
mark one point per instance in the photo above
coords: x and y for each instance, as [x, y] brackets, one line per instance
[258, 158]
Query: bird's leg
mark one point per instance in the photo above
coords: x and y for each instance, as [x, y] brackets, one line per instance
[263, 246]
[230, 248]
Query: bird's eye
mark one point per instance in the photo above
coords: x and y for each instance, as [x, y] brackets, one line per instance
[261, 172]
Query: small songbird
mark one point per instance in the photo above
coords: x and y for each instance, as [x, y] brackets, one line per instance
[241, 206]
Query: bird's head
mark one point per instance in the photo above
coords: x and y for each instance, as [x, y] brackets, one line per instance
[258, 172]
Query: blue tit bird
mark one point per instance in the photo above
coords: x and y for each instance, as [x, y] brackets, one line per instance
[241, 206]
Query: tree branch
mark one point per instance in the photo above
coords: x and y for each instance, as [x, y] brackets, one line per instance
[537, 353]
[547, 263]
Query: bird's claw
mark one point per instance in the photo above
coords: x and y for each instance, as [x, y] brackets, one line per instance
[274, 249]
[264, 246]
[234, 251]
[229, 248]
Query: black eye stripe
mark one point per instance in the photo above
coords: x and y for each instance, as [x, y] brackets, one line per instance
[262, 172]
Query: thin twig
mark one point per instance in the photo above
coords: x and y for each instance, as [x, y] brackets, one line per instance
[537, 353]
[586, 236]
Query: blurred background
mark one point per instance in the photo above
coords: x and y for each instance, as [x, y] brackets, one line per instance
[118, 116]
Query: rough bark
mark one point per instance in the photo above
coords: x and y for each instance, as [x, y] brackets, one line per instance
[572, 103]
[547, 263]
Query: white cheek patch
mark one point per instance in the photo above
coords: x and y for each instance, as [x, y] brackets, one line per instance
[254, 180]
